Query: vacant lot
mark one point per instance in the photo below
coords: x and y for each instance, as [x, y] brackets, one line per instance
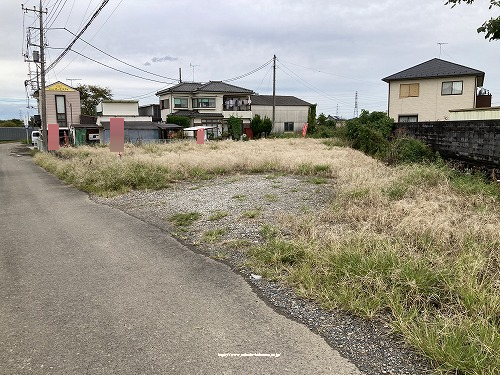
[416, 245]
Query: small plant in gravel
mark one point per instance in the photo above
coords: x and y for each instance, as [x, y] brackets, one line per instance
[184, 219]
[317, 180]
[239, 197]
[271, 197]
[251, 214]
[217, 215]
[213, 235]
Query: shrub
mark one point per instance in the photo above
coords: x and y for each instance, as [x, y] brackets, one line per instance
[185, 122]
[234, 126]
[323, 131]
[256, 125]
[409, 150]
[370, 141]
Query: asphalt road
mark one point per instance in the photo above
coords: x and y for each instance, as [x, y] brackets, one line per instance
[87, 289]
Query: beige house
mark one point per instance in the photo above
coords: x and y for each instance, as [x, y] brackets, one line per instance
[428, 91]
[63, 105]
[290, 112]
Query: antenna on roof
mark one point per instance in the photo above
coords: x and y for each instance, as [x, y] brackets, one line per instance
[192, 66]
[440, 45]
[73, 79]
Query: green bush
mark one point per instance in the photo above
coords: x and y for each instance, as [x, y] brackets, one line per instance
[370, 141]
[235, 127]
[409, 150]
[323, 131]
[256, 125]
[185, 122]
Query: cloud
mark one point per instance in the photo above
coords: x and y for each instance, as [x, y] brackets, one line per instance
[163, 59]
[147, 63]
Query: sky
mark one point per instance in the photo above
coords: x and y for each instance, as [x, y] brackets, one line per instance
[326, 50]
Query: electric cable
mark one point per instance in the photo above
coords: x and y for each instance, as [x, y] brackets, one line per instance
[118, 70]
[117, 59]
[249, 73]
[51, 66]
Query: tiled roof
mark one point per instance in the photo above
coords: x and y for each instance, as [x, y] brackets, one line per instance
[212, 86]
[193, 114]
[181, 87]
[436, 68]
[280, 100]
[219, 86]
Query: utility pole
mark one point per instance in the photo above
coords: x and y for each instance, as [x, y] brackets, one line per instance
[274, 89]
[42, 108]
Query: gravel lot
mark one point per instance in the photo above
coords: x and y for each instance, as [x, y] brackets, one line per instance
[236, 208]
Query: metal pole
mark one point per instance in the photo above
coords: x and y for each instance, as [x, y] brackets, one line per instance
[274, 90]
[43, 103]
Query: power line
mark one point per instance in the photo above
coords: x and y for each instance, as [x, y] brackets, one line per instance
[107, 19]
[117, 59]
[332, 74]
[249, 73]
[59, 58]
[308, 85]
[119, 70]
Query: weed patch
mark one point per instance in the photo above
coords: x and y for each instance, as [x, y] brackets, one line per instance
[184, 219]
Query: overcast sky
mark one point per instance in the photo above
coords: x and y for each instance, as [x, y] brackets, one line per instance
[327, 50]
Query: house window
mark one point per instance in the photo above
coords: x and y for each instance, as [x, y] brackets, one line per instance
[407, 90]
[452, 88]
[289, 126]
[204, 103]
[408, 118]
[180, 102]
[164, 104]
[61, 111]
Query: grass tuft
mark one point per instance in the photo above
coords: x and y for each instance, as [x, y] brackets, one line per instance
[184, 219]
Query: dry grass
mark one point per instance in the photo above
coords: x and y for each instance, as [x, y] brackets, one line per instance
[416, 245]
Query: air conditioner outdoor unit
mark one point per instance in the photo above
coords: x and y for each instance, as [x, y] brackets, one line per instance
[93, 137]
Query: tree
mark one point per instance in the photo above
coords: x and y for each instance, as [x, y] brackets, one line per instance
[321, 121]
[257, 126]
[234, 125]
[267, 125]
[183, 121]
[492, 27]
[311, 118]
[90, 96]
[13, 123]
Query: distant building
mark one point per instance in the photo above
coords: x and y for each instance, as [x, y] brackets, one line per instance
[290, 112]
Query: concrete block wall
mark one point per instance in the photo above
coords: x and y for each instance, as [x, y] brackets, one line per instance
[475, 141]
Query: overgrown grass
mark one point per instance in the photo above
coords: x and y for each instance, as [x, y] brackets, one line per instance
[213, 235]
[416, 245]
[217, 215]
[414, 251]
[251, 214]
[184, 219]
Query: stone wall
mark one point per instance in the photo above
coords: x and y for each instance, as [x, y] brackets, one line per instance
[476, 142]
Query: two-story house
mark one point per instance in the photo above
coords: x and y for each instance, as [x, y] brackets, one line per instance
[428, 91]
[206, 104]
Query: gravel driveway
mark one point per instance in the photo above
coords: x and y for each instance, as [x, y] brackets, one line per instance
[231, 213]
